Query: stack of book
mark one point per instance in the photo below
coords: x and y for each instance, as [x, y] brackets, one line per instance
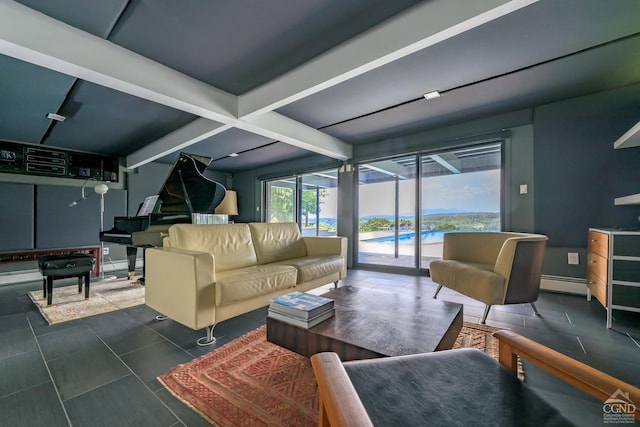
[300, 309]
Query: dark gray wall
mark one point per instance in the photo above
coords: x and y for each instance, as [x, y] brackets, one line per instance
[145, 181]
[60, 226]
[16, 216]
[578, 173]
[39, 216]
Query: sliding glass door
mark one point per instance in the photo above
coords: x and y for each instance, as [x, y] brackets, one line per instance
[386, 212]
[460, 192]
[400, 225]
[310, 200]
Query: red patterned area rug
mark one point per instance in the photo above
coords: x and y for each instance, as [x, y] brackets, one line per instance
[248, 382]
[252, 382]
[480, 336]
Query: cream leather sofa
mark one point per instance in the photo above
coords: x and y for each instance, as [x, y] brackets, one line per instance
[205, 274]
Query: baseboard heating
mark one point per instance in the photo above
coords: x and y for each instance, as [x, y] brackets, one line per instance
[568, 285]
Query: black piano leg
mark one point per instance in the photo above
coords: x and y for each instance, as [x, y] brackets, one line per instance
[132, 252]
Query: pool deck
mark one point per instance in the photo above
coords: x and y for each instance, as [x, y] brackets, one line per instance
[391, 260]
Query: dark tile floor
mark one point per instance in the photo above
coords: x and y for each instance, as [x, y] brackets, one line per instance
[101, 370]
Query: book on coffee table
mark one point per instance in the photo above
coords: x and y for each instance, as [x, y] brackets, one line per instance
[301, 305]
[301, 323]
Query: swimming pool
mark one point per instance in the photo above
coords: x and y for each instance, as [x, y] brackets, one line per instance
[425, 237]
[409, 237]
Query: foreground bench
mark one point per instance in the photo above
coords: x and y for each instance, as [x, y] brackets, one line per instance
[457, 387]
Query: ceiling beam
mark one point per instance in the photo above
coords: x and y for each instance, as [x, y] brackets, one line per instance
[280, 128]
[445, 163]
[423, 25]
[33, 37]
[27, 35]
[195, 131]
[391, 168]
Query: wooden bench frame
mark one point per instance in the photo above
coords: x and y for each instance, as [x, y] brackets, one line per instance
[340, 405]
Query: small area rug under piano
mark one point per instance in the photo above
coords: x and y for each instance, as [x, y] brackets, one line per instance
[106, 296]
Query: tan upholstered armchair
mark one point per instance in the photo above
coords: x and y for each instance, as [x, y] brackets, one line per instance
[491, 267]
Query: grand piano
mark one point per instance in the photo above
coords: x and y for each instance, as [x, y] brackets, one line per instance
[186, 191]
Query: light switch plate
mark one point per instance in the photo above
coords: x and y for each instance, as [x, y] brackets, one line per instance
[523, 189]
[573, 258]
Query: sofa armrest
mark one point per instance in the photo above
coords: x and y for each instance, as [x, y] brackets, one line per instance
[325, 245]
[584, 377]
[180, 284]
[328, 245]
[339, 404]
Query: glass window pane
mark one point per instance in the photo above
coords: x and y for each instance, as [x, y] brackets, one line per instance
[319, 203]
[460, 192]
[386, 210]
[311, 200]
[281, 200]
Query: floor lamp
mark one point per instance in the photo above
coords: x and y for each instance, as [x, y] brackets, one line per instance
[99, 189]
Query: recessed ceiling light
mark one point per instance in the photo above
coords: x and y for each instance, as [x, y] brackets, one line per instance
[233, 154]
[56, 117]
[432, 95]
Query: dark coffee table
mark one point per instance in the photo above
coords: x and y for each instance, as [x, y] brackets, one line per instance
[370, 323]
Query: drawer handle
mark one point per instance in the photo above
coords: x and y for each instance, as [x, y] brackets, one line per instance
[590, 282]
[592, 261]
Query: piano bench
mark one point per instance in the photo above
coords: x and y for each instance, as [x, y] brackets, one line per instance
[63, 267]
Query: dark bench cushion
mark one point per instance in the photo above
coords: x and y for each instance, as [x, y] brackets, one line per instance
[62, 266]
[462, 387]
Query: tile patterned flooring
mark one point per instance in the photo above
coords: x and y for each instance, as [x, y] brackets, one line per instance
[101, 370]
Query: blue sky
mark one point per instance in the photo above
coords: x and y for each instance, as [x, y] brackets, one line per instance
[478, 191]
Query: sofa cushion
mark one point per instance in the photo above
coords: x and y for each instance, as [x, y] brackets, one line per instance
[314, 267]
[277, 242]
[477, 281]
[230, 244]
[249, 282]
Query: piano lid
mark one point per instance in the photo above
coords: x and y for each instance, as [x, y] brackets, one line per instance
[187, 190]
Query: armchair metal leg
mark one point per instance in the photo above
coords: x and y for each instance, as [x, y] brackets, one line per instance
[535, 310]
[335, 284]
[486, 313]
[209, 339]
[437, 290]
